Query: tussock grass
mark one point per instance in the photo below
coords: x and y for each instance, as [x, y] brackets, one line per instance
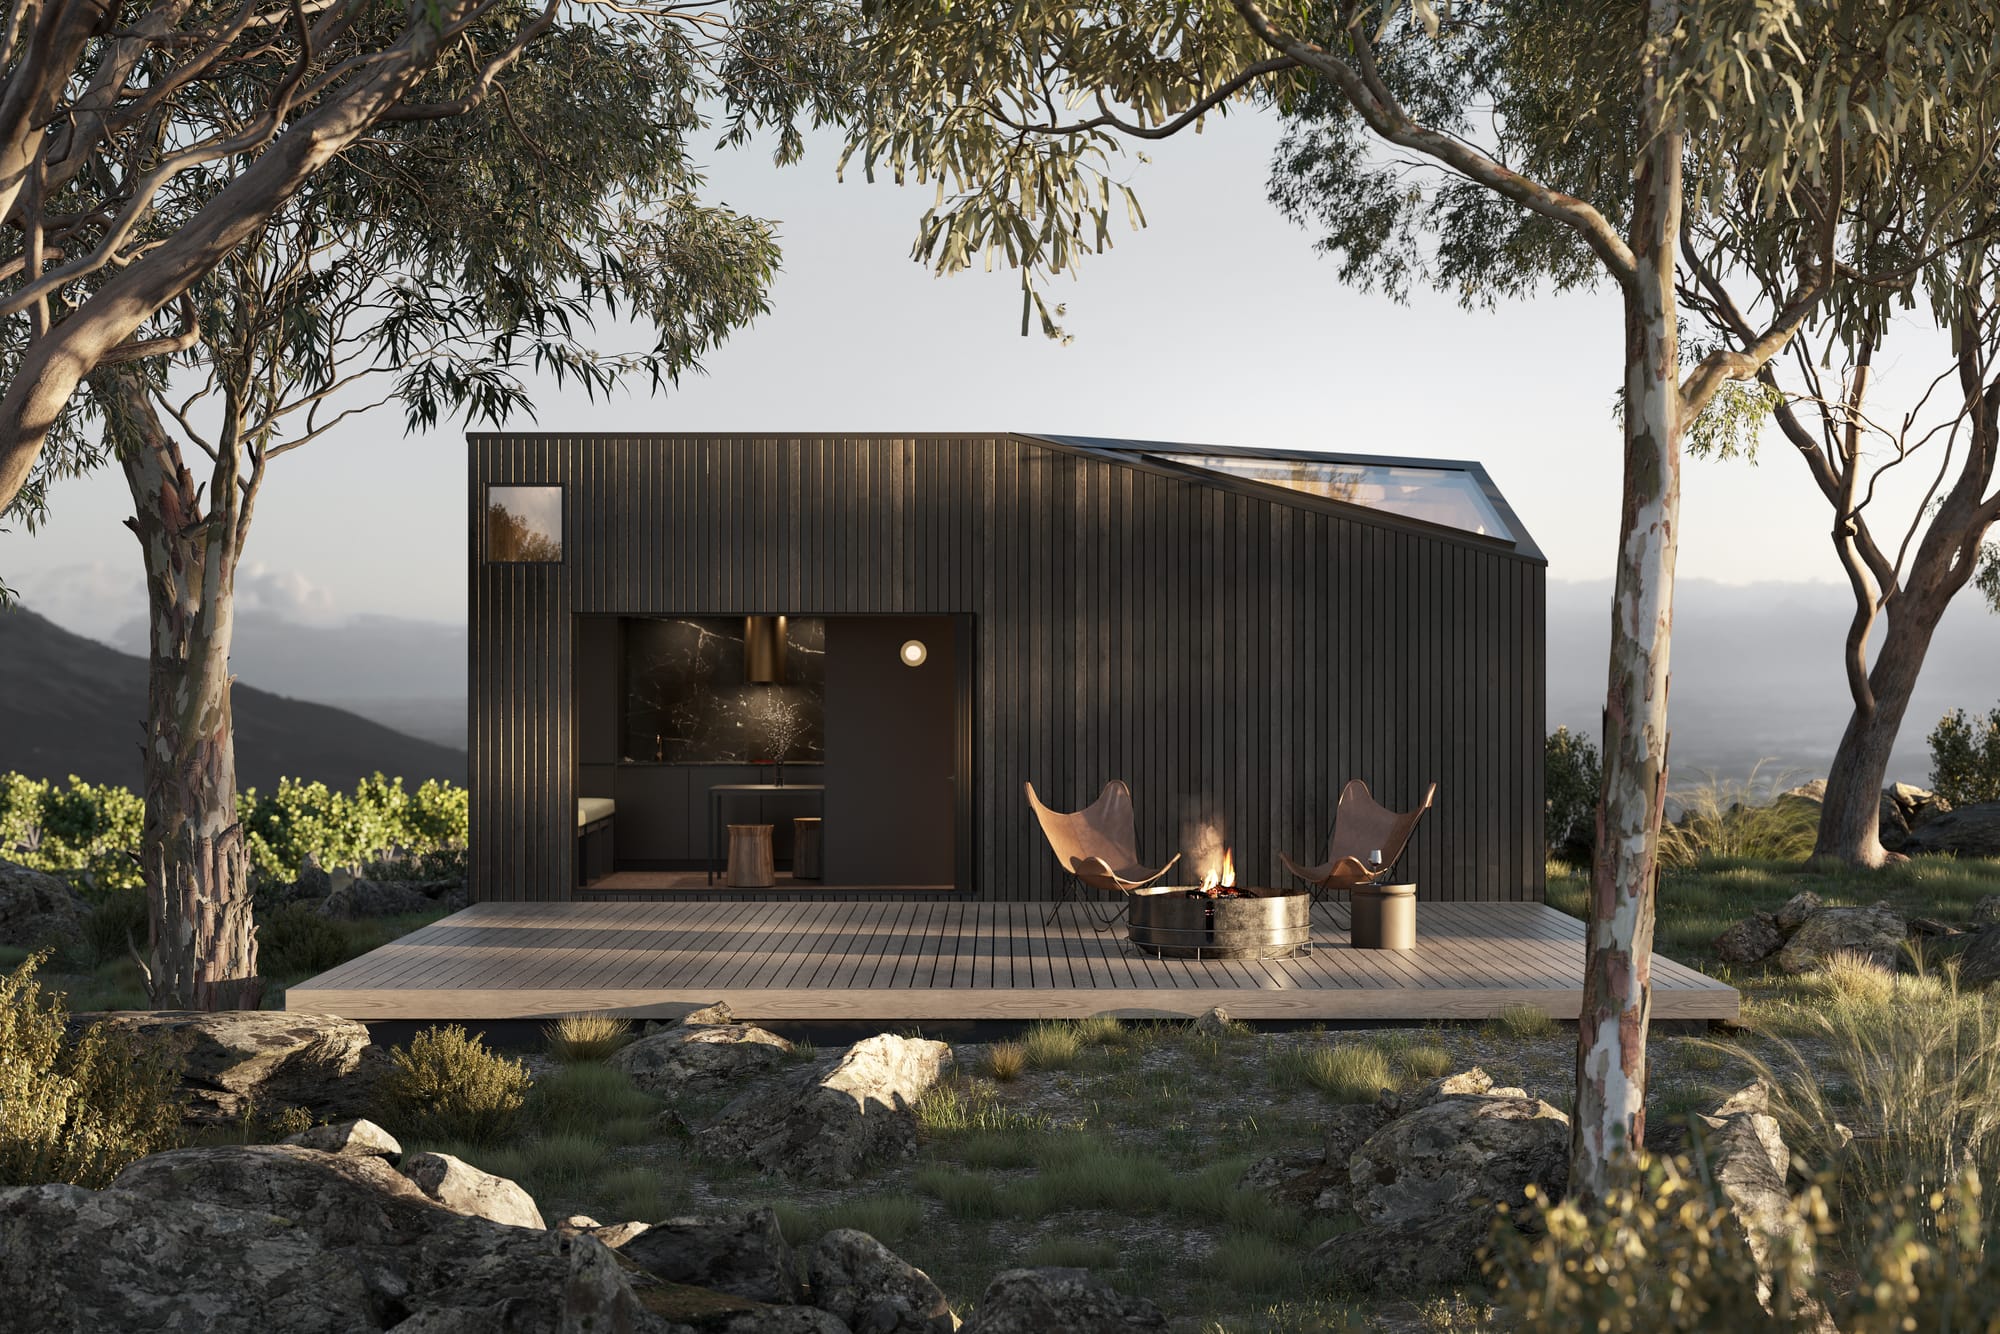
[887, 1218]
[1349, 1072]
[1006, 1061]
[640, 1193]
[594, 1101]
[1101, 1030]
[1426, 1061]
[958, 1106]
[586, 1037]
[967, 1195]
[1525, 1021]
[1052, 1045]
[1725, 818]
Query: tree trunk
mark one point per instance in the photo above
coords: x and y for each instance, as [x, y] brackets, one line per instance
[204, 941]
[1850, 820]
[1610, 1114]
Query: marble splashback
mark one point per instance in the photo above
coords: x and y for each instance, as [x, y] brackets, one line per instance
[687, 702]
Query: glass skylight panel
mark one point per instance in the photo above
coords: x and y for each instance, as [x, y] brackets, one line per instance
[1447, 496]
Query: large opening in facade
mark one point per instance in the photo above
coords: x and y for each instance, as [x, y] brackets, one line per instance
[846, 738]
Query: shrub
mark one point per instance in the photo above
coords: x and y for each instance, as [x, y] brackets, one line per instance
[295, 941]
[447, 1085]
[1933, 1264]
[1749, 820]
[87, 832]
[1965, 757]
[378, 825]
[77, 1109]
[1006, 1061]
[586, 1037]
[1571, 775]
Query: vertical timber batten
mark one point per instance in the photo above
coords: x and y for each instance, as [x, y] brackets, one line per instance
[1201, 638]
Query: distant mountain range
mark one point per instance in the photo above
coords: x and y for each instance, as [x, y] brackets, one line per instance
[70, 705]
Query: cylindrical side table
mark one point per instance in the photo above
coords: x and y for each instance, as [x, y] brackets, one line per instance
[750, 862]
[1384, 917]
[806, 847]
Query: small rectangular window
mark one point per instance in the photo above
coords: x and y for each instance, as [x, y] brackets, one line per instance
[524, 523]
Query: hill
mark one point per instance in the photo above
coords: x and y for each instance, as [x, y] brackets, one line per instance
[70, 705]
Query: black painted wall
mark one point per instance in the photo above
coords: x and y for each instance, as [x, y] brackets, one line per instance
[1207, 640]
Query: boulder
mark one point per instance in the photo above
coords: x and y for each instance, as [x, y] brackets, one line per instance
[1966, 831]
[269, 1058]
[313, 881]
[718, 1013]
[700, 1056]
[827, 1127]
[37, 908]
[1443, 1252]
[1813, 792]
[353, 1139]
[613, 1235]
[851, 1275]
[1986, 912]
[775, 1320]
[1748, 1162]
[1463, 1084]
[1751, 940]
[746, 1257]
[1316, 1181]
[342, 1200]
[463, 1188]
[1915, 805]
[374, 898]
[1214, 1023]
[1979, 962]
[1892, 827]
[1794, 911]
[1059, 1301]
[1876, 932]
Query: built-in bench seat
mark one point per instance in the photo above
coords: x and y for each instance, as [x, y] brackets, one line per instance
[594, 851]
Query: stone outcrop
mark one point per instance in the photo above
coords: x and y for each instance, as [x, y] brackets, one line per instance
[828, 1126]
[1749, 941]
[1875, 933]
[700, 1056]
[872, 1290]
[463, 1188]
[1059, 1301]
[360, 1138]
[37, 908]
[746, 1257]
[1966, 831]
[1794, 911]
[374, 898]
[269, 1058]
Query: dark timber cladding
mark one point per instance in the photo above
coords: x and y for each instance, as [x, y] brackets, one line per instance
[1192, 633]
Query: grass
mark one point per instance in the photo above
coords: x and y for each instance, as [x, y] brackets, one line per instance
[1006, 1061]
[586, 1037]
[591, 1100]
[1348, 1072]
[888, 1218]
[1526, 1022]
[1426, 1061]
[1051, 1045]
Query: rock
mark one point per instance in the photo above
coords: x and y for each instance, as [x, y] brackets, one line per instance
[1979, 963]
[1059, 1301]
[463, 1188]
[1915, 805]
[1986, 912]
[360, 1138]
[827, 1128]
[1892, 827]
[1792, 914]
[1752, 1097]
[718, 1013]
[345, 1201]
[1317, 1181]
[1464, 1083]
[613, 1235]
[37, 908]
[1876, 932]
[1215, 1023]
[1440, 1159]
[1751, 940]
[272, 1058]
[777, 1320]
[1443, 1252]
[313, 881]
[702, 1056]
[1966, 831]
[1814, 792]
[1748, 1162]
[1929, 928]
[746, 1257]
[374, 898]
[851, 1275]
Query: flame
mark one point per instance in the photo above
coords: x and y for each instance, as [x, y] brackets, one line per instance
[1228, 868]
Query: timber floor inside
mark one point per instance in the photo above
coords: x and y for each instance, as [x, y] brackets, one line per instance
[957, 959]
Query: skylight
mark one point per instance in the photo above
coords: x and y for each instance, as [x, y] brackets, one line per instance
[1448, 496]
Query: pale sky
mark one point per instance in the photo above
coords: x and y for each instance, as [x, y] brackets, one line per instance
[1218, 324]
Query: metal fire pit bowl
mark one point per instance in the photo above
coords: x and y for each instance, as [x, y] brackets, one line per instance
[1165, 920]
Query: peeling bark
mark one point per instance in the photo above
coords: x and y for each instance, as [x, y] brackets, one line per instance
[203, 939]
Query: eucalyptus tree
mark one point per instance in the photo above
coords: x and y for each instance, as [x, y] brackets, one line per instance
[437, 264]
[1017, 113]
[142, 141]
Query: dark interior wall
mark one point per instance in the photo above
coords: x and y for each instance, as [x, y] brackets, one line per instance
[596, 706]
[890, 752]
[687, 699]
[1208, 644]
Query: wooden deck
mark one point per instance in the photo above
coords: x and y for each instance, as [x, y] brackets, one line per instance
[956, 960]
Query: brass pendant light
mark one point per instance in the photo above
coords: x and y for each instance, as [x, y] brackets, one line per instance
[764, 649]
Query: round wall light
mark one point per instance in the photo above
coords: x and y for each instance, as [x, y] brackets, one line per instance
[913, 653]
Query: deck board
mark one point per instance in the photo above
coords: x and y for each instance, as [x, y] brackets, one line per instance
[940, 959]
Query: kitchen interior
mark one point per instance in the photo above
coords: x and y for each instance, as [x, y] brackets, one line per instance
[689, 725]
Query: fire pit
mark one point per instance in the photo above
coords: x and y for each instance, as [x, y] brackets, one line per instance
[1218, 920]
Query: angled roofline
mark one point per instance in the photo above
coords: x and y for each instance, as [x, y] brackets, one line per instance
[1146, 455]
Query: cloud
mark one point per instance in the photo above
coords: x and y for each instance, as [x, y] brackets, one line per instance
[92, 599]
[286, 594]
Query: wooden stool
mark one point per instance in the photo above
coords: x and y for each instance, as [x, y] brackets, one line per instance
[1385, 917]
[805, 847]
[750, 863]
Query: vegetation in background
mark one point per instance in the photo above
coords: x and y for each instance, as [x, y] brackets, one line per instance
[586, 1037]
[1571, 774]
[1965, 757]
[1722, 818]
[87, 832]
[77, 1108]
[448, 1085]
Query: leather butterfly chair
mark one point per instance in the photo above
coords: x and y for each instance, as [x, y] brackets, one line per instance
[1361, 825]
[1098, 847]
